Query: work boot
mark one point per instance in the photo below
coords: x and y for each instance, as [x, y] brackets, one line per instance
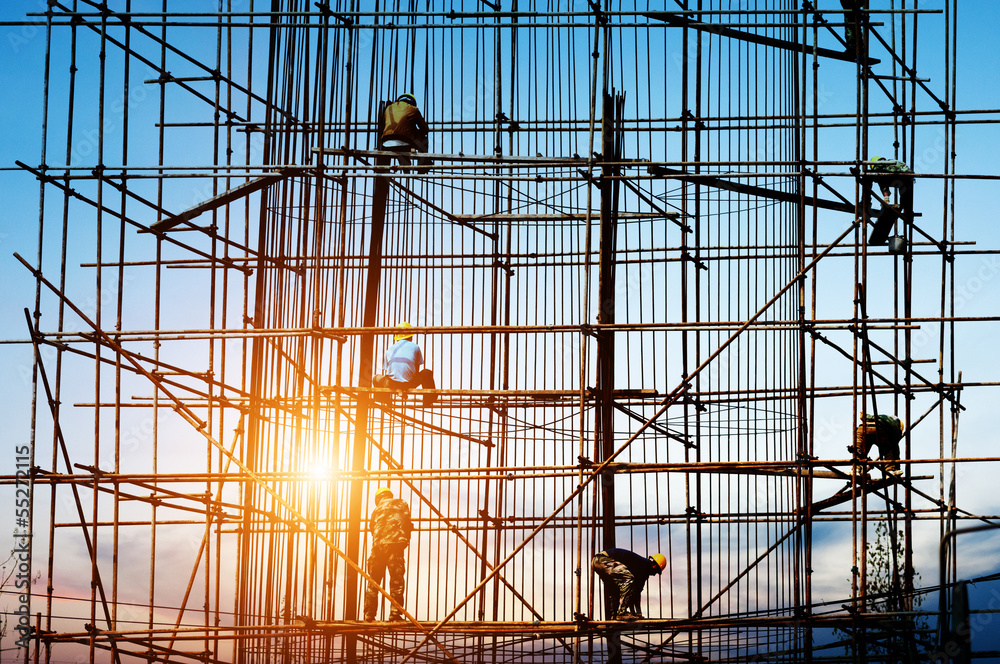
[395, 616]
[381, 381]
[627, 615]
[428, 384]
[369, 618]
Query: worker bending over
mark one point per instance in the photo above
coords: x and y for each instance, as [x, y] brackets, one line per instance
[890, 174]
[885, 431]
[624, 574]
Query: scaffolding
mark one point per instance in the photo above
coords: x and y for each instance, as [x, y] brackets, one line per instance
[638, 264]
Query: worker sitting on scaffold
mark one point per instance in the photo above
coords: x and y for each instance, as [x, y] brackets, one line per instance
[401, 368]
[404, 130]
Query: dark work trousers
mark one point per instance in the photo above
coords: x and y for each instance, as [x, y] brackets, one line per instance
[624, 589]
[424, 378]
[383, 557]
[903, 184]
[868, 434]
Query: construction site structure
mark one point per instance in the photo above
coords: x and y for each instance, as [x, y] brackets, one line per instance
[639, 259]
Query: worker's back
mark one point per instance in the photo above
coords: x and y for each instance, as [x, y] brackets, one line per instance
[403, 121]
[884, 429]
[403, 361]
[390, 522]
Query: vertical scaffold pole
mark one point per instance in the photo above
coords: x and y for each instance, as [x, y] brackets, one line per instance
[605, 434]
[380, 192]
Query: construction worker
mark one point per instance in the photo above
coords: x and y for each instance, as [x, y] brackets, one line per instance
[390, 527]
[401, 368]
[404, 129]
[889, 174]
[853, 16]
[884, 431]
[624, 574]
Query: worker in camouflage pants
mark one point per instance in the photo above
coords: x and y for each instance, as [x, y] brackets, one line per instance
[624, 574]
[853, 26]
[390, 526]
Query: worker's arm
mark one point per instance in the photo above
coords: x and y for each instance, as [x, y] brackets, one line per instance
[405, 522]
[422, 124]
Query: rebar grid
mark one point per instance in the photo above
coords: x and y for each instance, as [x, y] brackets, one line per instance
[626, 268]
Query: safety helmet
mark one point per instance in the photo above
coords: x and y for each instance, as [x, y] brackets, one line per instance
[408, 98]
[403, 335]
[384, 492]
[660, 560]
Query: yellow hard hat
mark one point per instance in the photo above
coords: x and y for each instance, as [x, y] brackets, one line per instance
[660, 560]
[384, 492]
[403, 335]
